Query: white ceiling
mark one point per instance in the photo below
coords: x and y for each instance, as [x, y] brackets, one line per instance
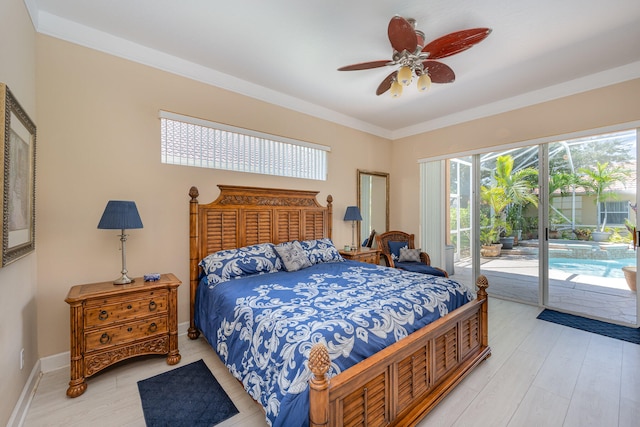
[287, 51]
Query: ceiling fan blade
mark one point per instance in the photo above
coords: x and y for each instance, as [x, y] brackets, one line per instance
[364, 65]
[439, 72]
[402, 35]
[385, 85]
[455, 42]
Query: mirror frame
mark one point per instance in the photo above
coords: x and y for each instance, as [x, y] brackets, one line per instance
[359, 178]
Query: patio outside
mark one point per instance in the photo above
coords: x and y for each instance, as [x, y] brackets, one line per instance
[514, 276]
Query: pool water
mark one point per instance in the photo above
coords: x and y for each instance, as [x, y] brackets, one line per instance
[592, 267]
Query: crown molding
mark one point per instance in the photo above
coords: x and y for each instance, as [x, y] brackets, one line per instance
[572, 87]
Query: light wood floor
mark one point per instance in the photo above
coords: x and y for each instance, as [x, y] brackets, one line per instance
[540, 374]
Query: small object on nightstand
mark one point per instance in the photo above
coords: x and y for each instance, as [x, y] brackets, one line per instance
[347, 248]
[152, 277]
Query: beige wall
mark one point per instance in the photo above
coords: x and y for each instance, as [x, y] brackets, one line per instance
[100, 138]
[17, 280]
[603, 107]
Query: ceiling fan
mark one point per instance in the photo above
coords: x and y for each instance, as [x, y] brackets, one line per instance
[416, 58]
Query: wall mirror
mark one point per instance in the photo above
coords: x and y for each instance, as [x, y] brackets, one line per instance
[373, 201]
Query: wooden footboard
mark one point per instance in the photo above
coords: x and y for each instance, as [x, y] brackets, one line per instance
[402, 383]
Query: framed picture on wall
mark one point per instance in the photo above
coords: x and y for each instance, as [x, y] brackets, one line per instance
[18, 143]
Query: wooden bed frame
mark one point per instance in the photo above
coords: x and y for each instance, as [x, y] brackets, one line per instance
[396, 386]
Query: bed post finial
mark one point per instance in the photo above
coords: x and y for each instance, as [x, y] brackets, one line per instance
[319, 363]
[193, 193]
[482, 283]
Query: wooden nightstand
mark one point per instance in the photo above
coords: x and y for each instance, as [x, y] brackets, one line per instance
[372, 256]
[110, 323]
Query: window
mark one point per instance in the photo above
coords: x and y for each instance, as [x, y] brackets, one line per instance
[616, 212]
[201, 143]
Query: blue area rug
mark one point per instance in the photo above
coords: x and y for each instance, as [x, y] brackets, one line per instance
[620, 332]
[188, 396]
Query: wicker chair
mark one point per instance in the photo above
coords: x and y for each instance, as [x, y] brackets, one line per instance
[389, 250]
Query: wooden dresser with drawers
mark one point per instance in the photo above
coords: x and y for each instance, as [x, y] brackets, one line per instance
[110, 323]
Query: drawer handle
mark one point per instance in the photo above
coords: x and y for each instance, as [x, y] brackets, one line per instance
[152, 306]
[129, 329]
[105, 338]
[103, 315]
[129, 307]
[153, 327]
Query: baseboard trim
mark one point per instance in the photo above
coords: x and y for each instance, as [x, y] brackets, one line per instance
[42, 366]
[55, 362]
[22, 405]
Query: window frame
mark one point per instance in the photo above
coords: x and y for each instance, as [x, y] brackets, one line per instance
[190, 141]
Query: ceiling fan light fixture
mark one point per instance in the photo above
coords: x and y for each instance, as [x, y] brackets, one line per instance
[405, 74]
[396, 89]
[424, 82]
[418, 59]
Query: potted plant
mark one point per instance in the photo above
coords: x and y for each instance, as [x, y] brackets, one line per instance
[599, 180]
[630, 276]
[489, 235]
[582, 233]
[505, 233]
[518, 188]
[554, 221]
[530, 227]
[515, 222]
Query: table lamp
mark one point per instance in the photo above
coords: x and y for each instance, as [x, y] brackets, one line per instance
[353, 214]
[121, 215]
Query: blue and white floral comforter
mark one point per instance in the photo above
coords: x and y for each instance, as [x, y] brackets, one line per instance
[263, 326]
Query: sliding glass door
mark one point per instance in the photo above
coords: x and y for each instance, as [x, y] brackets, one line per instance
[592, 217]
[549, 224]
[508, 221]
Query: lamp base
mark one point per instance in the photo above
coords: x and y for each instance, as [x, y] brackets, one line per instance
[123, 280]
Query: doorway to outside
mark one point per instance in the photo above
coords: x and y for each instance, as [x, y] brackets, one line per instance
[564, 214]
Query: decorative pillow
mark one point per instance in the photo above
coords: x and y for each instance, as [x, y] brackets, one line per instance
[321, 250]
[230, 264]
[293, 256]
[394, 248]
[409, 255]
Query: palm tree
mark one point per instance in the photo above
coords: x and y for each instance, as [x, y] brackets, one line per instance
[496, 199]
[599, 180]
[561, 181]
[518, 185]
[509, 190]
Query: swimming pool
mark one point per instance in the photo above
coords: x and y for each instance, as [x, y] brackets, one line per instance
[592, 267]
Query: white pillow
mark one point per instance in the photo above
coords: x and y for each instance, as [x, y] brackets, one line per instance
[409, 255]
[293, 256]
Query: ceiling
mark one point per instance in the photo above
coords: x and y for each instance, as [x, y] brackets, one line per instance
[287, 51]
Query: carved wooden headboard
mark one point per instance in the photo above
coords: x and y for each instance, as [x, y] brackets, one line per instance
[243, 216]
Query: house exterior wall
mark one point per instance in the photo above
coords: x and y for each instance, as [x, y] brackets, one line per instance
[17, 280]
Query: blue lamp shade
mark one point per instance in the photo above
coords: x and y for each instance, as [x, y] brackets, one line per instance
[120, 215]
[352, 214]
